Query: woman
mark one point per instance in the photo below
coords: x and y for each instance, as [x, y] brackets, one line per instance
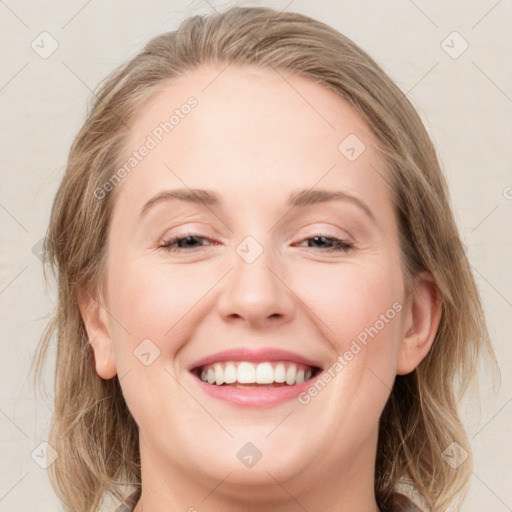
[263, 299]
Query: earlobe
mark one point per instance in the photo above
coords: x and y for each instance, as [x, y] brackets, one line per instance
[422, 317]
[96, 324]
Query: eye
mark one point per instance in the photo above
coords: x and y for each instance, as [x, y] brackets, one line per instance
[333, 244]
[182, 242]
[188, 242]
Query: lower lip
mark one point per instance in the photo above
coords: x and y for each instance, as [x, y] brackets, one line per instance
[253, 397]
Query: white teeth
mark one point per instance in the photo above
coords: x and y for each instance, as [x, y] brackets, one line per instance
[244, 372]
[230, 373]
[291, 373]
[264, 373]
[280, 373]
[219, 374]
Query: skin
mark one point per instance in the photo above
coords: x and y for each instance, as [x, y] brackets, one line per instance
[254, 137]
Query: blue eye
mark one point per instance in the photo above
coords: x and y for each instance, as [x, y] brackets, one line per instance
[190, 242]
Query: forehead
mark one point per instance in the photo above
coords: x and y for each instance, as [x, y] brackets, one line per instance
[249, 131]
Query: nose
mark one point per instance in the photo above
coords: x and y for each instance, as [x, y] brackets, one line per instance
[256, 293]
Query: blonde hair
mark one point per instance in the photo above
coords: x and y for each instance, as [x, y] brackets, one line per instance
[92, 430]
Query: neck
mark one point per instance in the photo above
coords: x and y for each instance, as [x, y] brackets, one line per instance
[166, 488]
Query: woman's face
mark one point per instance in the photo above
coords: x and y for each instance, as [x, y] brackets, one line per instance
[270, 169]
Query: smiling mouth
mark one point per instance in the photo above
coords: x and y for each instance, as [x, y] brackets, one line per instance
[244, 374]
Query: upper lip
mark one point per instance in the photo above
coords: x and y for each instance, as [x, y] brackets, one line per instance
[254, 355]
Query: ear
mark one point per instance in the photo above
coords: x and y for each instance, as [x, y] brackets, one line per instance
[422, 316]
[95, 318]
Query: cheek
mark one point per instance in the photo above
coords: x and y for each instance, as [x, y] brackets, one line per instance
[348, 300]
[354, 302]
[151, 307]
[149, 302]
[360, 311]
[150, 299]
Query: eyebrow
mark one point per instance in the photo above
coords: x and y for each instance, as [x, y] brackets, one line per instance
[300, 198]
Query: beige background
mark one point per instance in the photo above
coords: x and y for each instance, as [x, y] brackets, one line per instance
[466, 103]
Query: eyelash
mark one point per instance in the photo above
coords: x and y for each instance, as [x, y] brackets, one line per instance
[339, 245]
